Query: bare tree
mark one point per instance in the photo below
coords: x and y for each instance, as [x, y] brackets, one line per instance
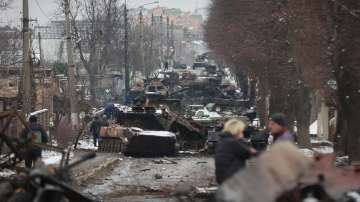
[257, 38]
[321, 45]
[98, 37]
[10, 43]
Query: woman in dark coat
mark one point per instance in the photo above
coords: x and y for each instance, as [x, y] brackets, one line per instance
[232, 151]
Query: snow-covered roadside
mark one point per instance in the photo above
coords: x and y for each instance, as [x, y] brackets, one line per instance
[6, 173]
[52, 157]
[86, 144]
[318, 150]
[324, 149]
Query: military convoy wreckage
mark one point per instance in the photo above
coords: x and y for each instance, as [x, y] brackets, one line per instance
[157, 113]
[181, 111]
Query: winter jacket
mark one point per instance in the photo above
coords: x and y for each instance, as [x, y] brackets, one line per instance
[96, 125]
[286, 136]
[230, 156]
[35, 134]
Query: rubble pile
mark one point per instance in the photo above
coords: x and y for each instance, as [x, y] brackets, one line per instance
[42, 184]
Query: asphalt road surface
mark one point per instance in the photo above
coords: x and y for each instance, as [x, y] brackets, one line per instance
[151, 179]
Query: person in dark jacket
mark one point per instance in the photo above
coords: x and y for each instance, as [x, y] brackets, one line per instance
[232, 151]
[35, 133]
[278, 126]
[95, 128]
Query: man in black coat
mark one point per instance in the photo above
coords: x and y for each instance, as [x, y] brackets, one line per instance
[95, 128]
[232, 151]
[36, 134]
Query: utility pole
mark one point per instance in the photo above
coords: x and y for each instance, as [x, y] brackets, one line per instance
[71, 67]
[168, 40]
[142, 55]
[151, 46]
[172, 43]
[161, 39]
[126, 54]
[44, 89]
[27, 98]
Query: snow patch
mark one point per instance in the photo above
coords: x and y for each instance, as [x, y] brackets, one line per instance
[158, 134]
[354, 195]
[51, 157]
[86, 144]
[5, 173]
[324, 150]
[308, 152]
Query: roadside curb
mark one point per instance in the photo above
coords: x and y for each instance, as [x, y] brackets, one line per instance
[85, 175]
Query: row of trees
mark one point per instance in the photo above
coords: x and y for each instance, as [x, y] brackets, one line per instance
[98, 28]
[10, 44]
[294, 49]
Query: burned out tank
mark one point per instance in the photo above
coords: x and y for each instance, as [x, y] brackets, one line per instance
[189, 135]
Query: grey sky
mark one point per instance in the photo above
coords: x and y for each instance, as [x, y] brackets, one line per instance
[13, 15]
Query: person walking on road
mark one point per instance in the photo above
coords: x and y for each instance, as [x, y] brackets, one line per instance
[36, 134]
[278, 126]
[232, 151]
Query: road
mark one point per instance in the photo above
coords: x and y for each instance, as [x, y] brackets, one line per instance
[151, 179]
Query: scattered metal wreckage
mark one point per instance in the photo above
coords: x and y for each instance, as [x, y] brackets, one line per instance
[41, 184]
[147, 133]
[201, 84]
[10, 147]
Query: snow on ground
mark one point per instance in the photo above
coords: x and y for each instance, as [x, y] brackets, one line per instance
[86, 144]
[52, 157]
[317, 150]
[324, 150]
[308, 152]
[5, 173]
[320, 141]
[354, 195]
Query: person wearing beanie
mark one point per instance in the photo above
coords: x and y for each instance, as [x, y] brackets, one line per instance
[278, 126]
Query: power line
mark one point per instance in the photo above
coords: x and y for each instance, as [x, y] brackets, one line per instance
[42, 11]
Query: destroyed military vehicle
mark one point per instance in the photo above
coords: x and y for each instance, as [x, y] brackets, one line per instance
[147, 132]
[156, 90]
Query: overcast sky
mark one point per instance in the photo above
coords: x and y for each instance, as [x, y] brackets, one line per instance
[44, 9]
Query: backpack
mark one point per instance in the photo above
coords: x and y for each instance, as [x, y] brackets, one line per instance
[35, 136]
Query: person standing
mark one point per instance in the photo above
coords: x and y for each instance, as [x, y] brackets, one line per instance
[36, 134]
[278, 126]
[232, 151]
[95, 128]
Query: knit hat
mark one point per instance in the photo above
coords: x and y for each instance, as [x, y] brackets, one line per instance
[33, 119]
[280, 119]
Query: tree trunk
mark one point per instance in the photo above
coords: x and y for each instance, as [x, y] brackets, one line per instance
[261, 104]
[92, 87]
[341, 138]
[347, 73]
[252, 93]
[303, 116]
[350, 105]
